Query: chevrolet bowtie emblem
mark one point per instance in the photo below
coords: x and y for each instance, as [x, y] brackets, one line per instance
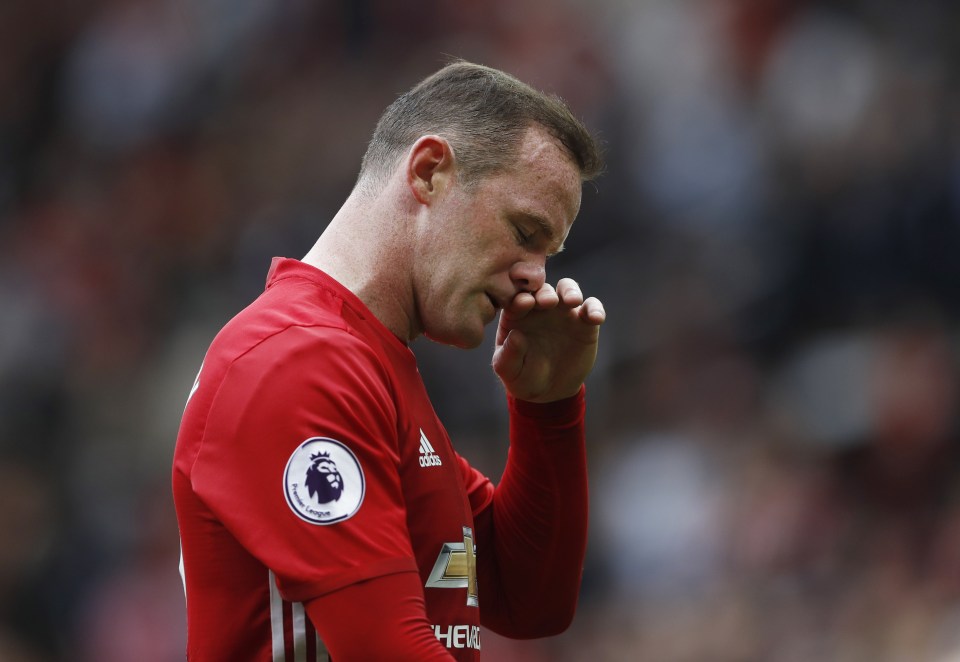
[456, 567]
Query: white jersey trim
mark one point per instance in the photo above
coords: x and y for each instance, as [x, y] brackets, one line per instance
[299, 628]
[276, 620]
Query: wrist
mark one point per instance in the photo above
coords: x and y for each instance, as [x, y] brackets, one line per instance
[560, 409]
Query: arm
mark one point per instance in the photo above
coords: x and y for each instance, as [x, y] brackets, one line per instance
[357, 577]
[534, 532]
[380, 619]
[536, 524]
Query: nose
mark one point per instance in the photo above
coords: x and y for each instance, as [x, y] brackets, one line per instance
[528, 276]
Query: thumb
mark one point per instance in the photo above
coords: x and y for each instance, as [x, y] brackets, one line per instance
[509, 356]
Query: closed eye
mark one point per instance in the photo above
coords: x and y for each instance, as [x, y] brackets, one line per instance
[523, 237]
[542, 229]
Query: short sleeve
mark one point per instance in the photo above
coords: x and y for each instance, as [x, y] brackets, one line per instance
[299, 461]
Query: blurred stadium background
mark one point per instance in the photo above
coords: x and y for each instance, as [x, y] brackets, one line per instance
[774, 450]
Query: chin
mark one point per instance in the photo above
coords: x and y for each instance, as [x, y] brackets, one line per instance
[461, 338]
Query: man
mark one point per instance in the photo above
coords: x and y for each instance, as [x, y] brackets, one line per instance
[322, 509]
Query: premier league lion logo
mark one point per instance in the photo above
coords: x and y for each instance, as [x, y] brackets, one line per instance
[323, 479]
[323, 482]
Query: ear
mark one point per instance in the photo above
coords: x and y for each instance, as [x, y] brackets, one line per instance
[430, 167]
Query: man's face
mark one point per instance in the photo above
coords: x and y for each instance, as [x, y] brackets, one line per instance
[481, 245]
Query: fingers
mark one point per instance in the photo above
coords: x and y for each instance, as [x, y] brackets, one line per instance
[592, 311]
[546, 296]
[569, 292]
[521, 304]
[543, 299]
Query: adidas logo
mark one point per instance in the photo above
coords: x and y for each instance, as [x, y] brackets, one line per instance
[428, 456]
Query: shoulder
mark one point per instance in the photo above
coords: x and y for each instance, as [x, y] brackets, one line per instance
[283, 324]
[301, 350]
[315, 354]
[299, 377]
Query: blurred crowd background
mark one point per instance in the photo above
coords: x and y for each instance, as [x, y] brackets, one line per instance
[773, 418]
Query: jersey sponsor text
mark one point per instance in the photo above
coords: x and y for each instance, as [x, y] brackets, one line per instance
[458, 636]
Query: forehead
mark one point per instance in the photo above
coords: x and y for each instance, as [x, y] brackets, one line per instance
[543, 180]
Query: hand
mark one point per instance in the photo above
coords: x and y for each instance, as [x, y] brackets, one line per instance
[547, 342]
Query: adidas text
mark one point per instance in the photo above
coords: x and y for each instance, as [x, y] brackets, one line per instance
[430, 460]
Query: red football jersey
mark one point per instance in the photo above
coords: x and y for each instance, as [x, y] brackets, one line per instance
[309, 458]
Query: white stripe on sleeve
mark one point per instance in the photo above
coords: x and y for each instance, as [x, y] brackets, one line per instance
[276, 620]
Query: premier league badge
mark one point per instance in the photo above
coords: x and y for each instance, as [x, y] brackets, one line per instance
[323, 482]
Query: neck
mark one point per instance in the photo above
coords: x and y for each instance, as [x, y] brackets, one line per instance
[363, 248]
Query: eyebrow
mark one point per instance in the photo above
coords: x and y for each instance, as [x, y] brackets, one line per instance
[546, 229]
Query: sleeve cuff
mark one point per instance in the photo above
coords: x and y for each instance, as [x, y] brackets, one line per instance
[558, 412]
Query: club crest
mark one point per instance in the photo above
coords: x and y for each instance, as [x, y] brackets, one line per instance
[323, 482]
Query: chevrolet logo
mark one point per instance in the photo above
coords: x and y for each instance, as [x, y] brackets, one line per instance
[456, 567]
